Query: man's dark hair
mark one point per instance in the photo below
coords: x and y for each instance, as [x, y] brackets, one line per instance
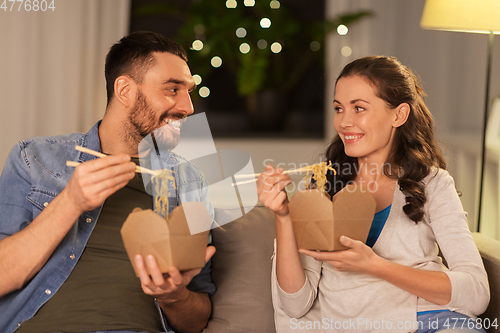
[133, 56]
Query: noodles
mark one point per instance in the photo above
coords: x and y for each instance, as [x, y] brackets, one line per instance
[319, 175]
[161, 193]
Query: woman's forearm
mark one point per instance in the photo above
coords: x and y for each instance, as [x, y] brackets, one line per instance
[432, 286]
[289, 271]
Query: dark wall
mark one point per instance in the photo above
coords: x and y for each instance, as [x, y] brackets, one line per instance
[302, 108]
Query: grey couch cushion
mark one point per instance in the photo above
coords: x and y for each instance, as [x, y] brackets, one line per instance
[241, 269]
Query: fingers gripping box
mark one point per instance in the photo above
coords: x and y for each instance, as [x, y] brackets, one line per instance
[145, 232]
[318, 222]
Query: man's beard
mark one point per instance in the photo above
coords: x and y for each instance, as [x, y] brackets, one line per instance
[143, 122]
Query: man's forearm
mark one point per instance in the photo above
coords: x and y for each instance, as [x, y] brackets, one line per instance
[189, 315]
[24, 253]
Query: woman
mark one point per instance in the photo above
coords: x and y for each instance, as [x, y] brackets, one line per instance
[397, 282]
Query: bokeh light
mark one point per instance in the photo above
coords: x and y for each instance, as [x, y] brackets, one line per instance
[275, 4]
[244, 48]
[197, 45]
[315, 46]
[342, 30]
[216, 61]
[249, 3]
[265, 23]
[276, 47]
[346, 51]
[204, 92]
[261, 44]
[197, 79]
[241, 32]
[231, 4]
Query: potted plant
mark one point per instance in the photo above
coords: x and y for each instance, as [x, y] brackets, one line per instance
[262, 43]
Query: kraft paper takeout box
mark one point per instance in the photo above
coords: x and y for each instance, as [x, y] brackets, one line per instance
[145, 232]
[318, 222]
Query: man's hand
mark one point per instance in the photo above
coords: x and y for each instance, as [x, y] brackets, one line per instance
[24, 253]
[169, 287]
[94, 181]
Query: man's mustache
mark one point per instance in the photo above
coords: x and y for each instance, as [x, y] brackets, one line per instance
[176, 115]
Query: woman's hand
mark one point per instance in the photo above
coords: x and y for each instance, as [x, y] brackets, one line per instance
[358, 258]
[271, 189]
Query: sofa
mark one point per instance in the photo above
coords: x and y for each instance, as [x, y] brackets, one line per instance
[242, 269]
[490, 252]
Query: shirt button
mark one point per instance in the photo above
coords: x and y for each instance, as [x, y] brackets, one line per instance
[45, 204]
[88, 220]
[72, 256]
[48, 292]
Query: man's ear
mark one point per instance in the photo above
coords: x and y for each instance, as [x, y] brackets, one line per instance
[125, 90]
[402, 113]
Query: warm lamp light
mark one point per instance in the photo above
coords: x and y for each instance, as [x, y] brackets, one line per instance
[467, 16]
[462, 15]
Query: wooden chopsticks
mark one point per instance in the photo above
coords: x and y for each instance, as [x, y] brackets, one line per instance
[256, 175]
[138, 168]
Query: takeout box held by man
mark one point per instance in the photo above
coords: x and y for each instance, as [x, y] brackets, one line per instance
[170, 241]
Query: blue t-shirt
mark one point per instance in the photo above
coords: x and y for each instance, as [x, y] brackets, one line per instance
[377, 225]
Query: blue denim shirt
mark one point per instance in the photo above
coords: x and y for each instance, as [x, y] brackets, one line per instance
[34, 174]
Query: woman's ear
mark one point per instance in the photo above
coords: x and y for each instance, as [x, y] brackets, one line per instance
[402, 113]
[125, 90]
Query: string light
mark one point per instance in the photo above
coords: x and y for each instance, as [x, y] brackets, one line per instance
[197, 79]
[249, 3]
[204, 92]
[244, 48]
[342, 30]
[276, 47]
[216, 62]
[231, 4]
[197, 45]
[241, 32]
[265, 23]
[261, 44]
[346, 51]
[315, 46]
[275, 4]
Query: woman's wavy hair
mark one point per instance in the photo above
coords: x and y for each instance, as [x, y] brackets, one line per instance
[414, 149]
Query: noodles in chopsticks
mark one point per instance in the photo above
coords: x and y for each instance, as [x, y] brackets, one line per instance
[161, 192]
[319, 172]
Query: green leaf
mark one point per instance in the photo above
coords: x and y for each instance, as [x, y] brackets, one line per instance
[252, 73]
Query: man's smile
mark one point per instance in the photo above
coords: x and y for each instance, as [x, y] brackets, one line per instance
[174, 123]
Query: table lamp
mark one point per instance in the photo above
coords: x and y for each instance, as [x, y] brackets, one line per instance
[480, 16]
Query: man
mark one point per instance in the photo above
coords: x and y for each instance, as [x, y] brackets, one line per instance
[63, 266]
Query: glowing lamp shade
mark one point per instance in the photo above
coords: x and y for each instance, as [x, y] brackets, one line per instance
[462, 15]
[476, 16]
